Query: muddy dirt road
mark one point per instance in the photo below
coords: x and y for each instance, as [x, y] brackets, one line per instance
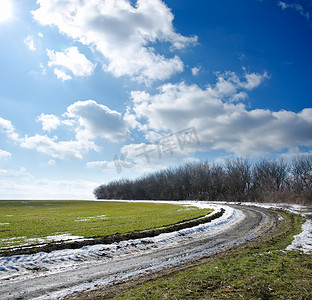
[59, 274]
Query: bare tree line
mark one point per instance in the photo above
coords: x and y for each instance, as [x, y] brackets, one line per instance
[241, 180]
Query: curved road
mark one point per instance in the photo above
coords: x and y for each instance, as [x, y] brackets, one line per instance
[249, 223]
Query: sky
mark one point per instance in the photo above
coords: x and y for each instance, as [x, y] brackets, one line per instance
[101, 90]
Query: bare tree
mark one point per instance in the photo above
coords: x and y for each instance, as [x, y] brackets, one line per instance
[235, 180]
[238, 179]
[301, 172]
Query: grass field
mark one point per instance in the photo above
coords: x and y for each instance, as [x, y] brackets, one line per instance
[31, 222]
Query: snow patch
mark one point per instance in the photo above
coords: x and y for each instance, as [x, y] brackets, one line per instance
[56, 238]
[24, 241]
[85, 219]
[303, 241]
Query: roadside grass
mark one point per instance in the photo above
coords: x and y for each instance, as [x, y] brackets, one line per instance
[262, 270]
[28, 222]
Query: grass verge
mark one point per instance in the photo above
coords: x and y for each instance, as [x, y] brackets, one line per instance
[261, 270]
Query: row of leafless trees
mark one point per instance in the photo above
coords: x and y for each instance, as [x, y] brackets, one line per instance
[235, 180]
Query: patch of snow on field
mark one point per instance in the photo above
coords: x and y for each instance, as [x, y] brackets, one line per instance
[56, 238]
[24, 241]
[186, 208]
[12, 240]
[85, 219]
[303, 241]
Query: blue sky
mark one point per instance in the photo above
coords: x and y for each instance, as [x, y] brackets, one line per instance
[94, 91]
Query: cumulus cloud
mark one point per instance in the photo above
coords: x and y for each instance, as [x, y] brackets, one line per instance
[60, 74]
[124, 34]
[4, 155]
[20, 174]
[88, 119]
[229, 83]
[195, 71]
[7, 127]
[58, 149]
[49, 122]
[98, 121]
[47, 145]
[29, 42]
[295, 6]
[71, 59]
[222, 124]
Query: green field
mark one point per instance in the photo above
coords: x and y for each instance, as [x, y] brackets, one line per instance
[31, 222]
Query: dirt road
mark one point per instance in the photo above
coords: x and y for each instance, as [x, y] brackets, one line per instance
[97, 267]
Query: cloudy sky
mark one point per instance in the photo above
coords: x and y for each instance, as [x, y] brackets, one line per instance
[98, 90]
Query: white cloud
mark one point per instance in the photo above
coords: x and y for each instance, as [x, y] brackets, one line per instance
[123, 33]
[220, 123]
[51, 162]
[58, 149]
[20, 175]
[253, 80]
[72, 60]
[172, 107]
[43, 69]
[88, 119]
[49, 122]
[60, 74]
[131, 120]
[283, 5]
[29, 42]
[294, 152]
[4, 155]
[295, 6]
[195, 71]
[50, 146]
[239, 96]
[98, 121]
[229, 83]
[7, 127]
